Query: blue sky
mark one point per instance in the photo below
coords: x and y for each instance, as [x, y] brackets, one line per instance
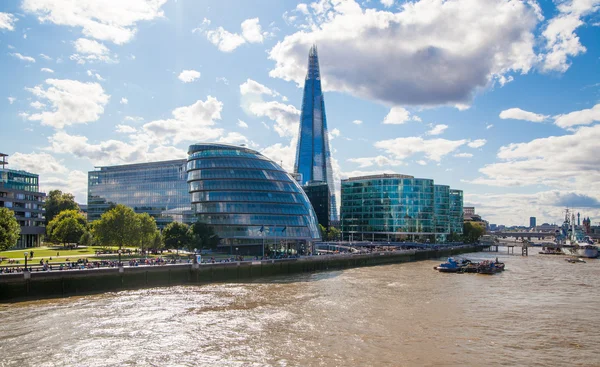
[497, 98]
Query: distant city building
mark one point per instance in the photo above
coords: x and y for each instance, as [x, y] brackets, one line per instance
[19, 192]
[249, 200]
[394, 207]
[469, 210]
[157, 188]
[532, 222]
[313, 155]
[318, 195]
[493, 227]
[456, 211]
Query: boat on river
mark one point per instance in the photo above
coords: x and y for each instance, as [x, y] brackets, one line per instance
[468, 266]
[450, 266]
[490, 267]
[573, 239]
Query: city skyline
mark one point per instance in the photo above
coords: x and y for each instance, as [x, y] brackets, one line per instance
[506, 110]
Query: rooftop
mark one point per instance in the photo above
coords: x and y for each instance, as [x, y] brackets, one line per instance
[374, 177]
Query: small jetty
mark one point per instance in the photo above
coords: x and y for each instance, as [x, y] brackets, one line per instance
[467, 266]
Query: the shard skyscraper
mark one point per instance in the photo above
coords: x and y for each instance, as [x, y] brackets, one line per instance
[313, 156]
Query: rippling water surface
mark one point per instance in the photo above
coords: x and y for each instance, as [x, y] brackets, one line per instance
[542, 311]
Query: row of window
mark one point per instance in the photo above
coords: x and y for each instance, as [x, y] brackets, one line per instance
[266, 197]
[231, 163]
[250, 208]
[272, 186]
[254, 219]
[253, 174]
[210, 153]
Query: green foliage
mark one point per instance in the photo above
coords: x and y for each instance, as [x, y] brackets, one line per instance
[119, 226]
[323, 232]
[9, 229]
[331, 234]
[87, 239]
[66, 227]
[157, 241]
[177, 235]
[147, 229]
[56, 202]
[472, 232]
[203, 236]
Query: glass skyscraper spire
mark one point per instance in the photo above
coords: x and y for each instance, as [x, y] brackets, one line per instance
[313, 156]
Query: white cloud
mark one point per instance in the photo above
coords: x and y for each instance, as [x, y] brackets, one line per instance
[37, 105]
[437, 129]
[236, 138]
[286, 117]
[253, 87]
[282, 154]
[133, 118]
[46, 57]
[39, 163]
[71, 102]
[463, 155]
[47, 70]
[519, 114]
[11, 100]
[7, 21]
[357, 122]
[398, 116]
[421, 162]
[582, 117]
[74, 182]
[379, 160]
[252, 31]
[227, 41]
[334, 133]
[561, 40]
[477, 143]
[445, 50]
[265, 125]
[188, 76]
[489, 126]
[189, 123]
[91, 51]
[107, 20]
[22, 57]
[242, 124]
[433, 149]
[125, 129]
[124, 100]
[95, 75]
[387, 3]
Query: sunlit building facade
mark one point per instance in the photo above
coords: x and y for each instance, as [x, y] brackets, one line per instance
[456, 211]
[441, 211]
[157, 188]
[313, 155]
[19, 192]
[249, 200]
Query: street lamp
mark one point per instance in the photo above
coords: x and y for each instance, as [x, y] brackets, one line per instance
[195, 257]
[119, 257]
[25, 253]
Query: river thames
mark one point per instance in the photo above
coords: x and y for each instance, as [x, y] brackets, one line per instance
[542, 311]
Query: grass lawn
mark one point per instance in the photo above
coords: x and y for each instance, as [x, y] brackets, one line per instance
[46, 252]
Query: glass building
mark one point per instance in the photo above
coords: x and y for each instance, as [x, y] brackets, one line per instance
[157, 188]
[456, 211]
[387, 207]
[249, 200]
[313, 156]
[441, 194]
[19, 192]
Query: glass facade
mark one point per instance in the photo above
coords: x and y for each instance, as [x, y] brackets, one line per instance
[392, 207]
[247, 198]
[313, 156]
[318, 194]
[456, 211]
[442, 211]
[387, 207]
[19, 192]
[157, 188]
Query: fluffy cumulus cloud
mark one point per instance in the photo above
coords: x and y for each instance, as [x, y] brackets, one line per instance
[91, 51]
[7, 21]
[463, 155]
[107, 20]
[444, 49]
[47, 70]
[242, 124]
[227, 41]
[357, 122]
[564, 162]
[188, 76]
[70, 102]
[379, 161]
[433, 149]
[519, 114]
[437, 129]
[561, 40]
[398, 116]
[253, 87]
[286, 117]
[387, 3]
[477, 143]
[581, 117]
[285, 155]
[40, 163]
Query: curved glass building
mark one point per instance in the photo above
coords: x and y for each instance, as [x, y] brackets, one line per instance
[249, 200]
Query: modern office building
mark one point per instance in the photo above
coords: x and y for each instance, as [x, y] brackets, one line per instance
[157, 188]
[456, 211]
[389, 207]
[532, 222]
[318, 195]
[313, 156]
[441, 195]
[249, 200]
[19, 191]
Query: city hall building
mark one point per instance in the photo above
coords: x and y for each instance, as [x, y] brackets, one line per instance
[248, 199]
[394, 207]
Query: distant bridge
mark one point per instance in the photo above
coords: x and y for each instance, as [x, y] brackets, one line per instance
[523, 235]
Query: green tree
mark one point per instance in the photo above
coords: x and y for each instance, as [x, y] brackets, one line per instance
[119, 226]
[472, 232]
[323, 232]
[157, 241]
[66, 227]
[333, 234]
[203, 236]
[9, 229]
[177, 235]
[87, 239]
[56, 202]
[147, 229]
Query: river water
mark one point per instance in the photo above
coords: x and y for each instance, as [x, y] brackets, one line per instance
[542, 311]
